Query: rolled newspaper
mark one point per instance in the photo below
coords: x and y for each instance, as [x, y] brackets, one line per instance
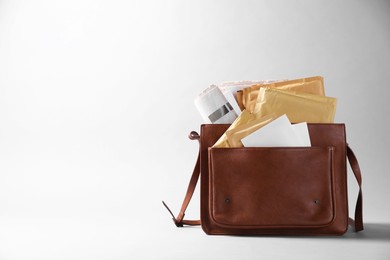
[214, 107]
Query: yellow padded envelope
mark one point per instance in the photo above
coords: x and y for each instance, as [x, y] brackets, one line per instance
[243, 118]
[299, 107]
[312, 85]
[235, 135]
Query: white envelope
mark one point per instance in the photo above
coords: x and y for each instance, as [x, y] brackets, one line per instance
[279, 132]
[302, 132]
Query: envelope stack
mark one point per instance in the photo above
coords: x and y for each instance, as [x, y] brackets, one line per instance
[259, 103]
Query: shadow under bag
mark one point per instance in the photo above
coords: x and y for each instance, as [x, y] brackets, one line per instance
[274, 190]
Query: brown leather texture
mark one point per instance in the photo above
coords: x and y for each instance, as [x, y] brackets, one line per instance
[280, 190]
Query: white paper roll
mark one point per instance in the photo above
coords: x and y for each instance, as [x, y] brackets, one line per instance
[214, 107]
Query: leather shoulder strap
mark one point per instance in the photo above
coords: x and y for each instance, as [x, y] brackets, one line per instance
[358, 222]
[180, 221]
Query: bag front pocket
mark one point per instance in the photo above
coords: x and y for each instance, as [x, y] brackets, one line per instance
[271, 187]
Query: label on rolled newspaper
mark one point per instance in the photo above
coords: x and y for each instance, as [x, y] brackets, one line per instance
[214, 107]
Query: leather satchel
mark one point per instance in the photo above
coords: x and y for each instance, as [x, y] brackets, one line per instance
[274, 190]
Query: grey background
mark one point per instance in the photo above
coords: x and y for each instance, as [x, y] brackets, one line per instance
[96, 101]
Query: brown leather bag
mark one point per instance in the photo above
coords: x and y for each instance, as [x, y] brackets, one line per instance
[279, 190]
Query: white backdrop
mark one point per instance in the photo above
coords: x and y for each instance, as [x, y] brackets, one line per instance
[96, 101]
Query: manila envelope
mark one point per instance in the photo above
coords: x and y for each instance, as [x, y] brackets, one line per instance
[235, 134]
[299, 107]
[312, 85]
[243, 118]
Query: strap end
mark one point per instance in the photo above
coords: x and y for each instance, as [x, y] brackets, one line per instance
[177, 223]
[357, 225]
